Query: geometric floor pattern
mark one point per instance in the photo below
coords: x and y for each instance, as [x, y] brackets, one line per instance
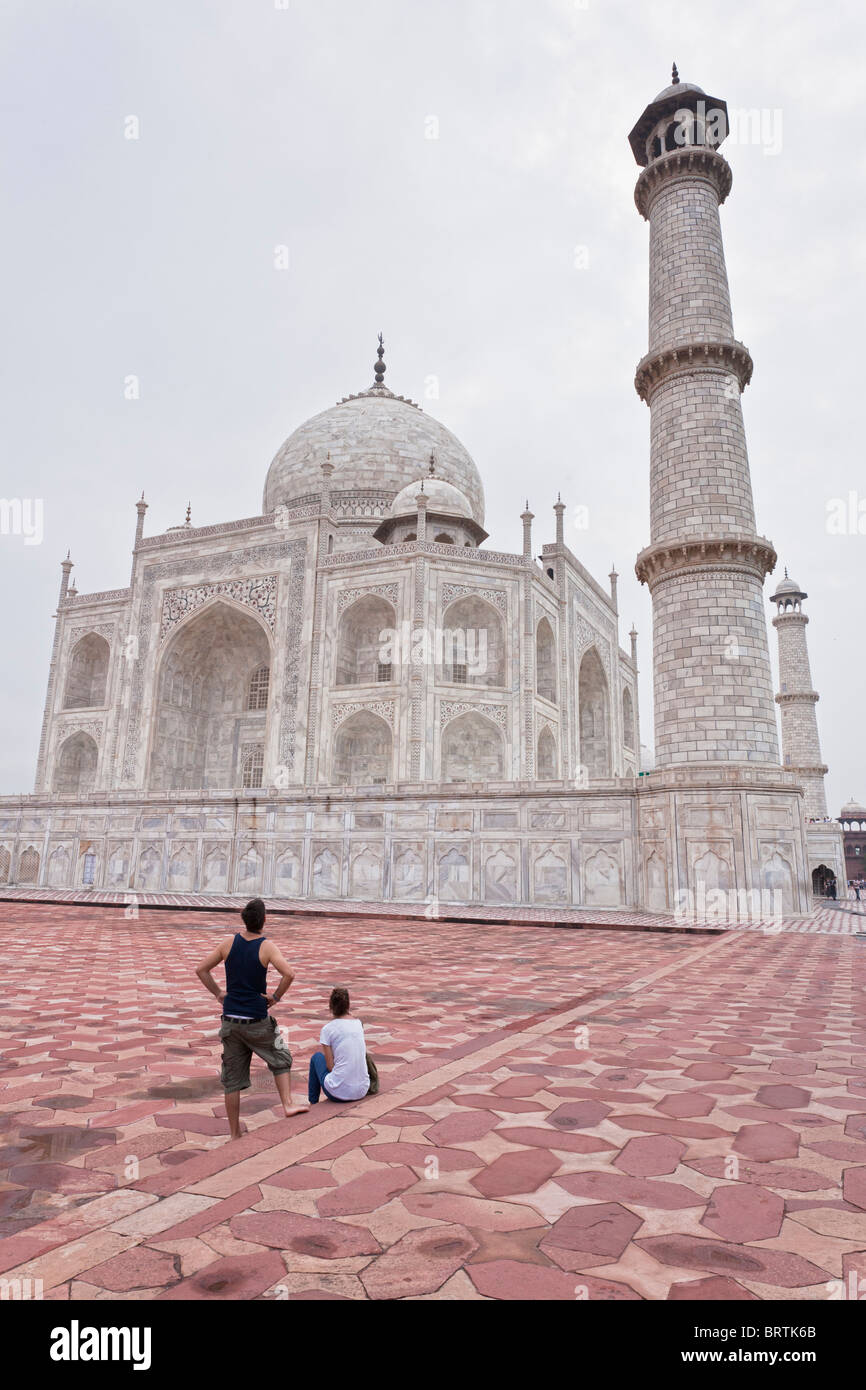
[563, 1114]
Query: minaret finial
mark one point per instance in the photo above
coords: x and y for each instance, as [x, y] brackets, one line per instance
[786, 571]
[380, 368]
[675, 77]
[432, 467]
[188, 519]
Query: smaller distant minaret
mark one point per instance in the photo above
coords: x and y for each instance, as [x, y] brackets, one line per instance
[801, 746]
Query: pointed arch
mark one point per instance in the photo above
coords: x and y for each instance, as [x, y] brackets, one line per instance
[473, 750]
[75, 768]
[363, 750]
[473, 643]
[545, 661]
[258, 687]
[202, 708]
[628, 737]
[28, 865]
[545, 764]
[594, 716]
[363, 648]
[87, 676]
[58, 867]
[252, 765]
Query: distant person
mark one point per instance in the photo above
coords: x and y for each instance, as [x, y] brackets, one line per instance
[340, 1069]
[246, 1026]
[831, 889]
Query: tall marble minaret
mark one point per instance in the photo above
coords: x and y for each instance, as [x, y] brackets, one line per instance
[706, 564]
[801, 746]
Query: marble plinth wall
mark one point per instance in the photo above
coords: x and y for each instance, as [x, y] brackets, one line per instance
[619, 845]
[826, 846]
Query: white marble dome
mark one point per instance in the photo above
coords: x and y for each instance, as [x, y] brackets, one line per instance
[442, 498]
[376, 441]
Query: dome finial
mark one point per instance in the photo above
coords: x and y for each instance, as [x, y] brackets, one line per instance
[786, 571]
[188, 520]
[675, 77]
[380, 367]
[432, 466]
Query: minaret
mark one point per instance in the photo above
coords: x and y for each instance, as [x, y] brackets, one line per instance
[801, 746]
[41, 783]
[706, 564]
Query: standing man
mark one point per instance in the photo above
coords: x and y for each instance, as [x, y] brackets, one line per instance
[246, 1026]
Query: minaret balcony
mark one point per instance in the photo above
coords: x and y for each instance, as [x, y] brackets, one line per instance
[689, 162]
[733, 358]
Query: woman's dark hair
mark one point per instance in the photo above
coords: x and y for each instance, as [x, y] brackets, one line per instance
[339, 1001]
[254, 915]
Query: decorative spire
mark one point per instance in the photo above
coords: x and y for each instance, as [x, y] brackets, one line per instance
[188, 517]
[379, 367]
[675, 77]
[786, 571]
[432, 466]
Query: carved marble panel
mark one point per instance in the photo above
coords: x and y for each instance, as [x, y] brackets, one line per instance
[409, 875]
[215, 868]
[117, 874]
[345, 597]
[656, 879]
[497, 597]
[365, 872]
[501, 873]
[287, 871]
[59, 870]
[711, 866]
[550, 873]
[454, 872]
[258, 592]
[251, 869]
[148, 875]
[326, 872]
[602, 877]
[180, 874]
[778, 878]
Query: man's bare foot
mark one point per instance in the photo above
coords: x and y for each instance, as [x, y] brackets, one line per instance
[295, 1110]
[240, 1133]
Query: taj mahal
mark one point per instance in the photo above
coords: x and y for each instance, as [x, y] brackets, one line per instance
[351, 695]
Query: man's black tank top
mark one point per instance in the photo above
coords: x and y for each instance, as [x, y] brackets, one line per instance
[246, 979]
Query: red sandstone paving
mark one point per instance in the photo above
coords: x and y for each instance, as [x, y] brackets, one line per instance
[716, 1086]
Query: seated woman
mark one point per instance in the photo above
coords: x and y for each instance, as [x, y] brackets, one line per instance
[340, 1069]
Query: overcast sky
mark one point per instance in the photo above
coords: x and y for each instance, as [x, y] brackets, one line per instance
[504, 261]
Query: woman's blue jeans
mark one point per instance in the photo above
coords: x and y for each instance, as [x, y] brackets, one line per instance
[318, 1072]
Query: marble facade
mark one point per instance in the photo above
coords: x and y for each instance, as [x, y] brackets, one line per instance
[349, 695]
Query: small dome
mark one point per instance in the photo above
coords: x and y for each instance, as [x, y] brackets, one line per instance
[678, 89]
[375, 440]
[788, 588]
[442, 498]
[852, 811]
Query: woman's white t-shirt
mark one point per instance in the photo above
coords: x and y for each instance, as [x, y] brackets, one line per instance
[349, 1079]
